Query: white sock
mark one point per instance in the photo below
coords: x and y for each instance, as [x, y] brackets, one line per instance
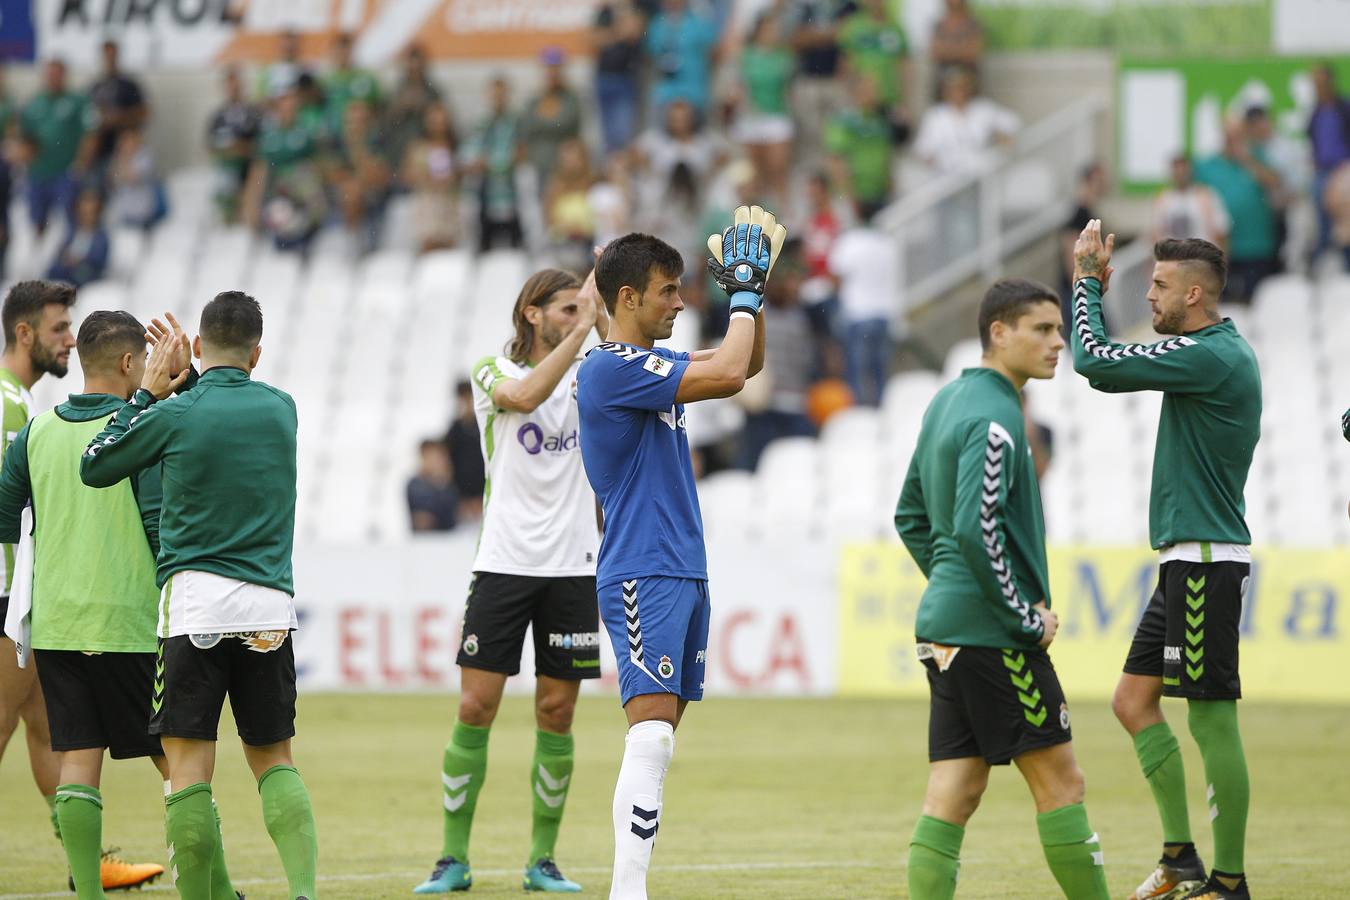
[637, 805]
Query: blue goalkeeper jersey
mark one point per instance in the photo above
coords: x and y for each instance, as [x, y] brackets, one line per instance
[636, 453]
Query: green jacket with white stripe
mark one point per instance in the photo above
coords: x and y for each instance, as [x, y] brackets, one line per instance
[1210, 421]
[227, 447]
[970, 515]
[94, 551]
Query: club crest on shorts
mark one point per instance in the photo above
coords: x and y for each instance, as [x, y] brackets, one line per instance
[1064, 716]
[665, 668]
[470, 645]
[205, 641]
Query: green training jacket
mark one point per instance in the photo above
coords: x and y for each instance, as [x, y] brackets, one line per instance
[970, 515]
[227, 447]
[1209, 425]
[94, 551]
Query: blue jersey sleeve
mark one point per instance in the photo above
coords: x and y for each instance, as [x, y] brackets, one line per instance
[632, 378]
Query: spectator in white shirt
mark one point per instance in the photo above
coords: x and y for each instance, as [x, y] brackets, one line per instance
[866, 263]
[1189, 210]
[955, 133]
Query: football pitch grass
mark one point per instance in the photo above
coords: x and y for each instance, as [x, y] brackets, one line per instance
[766, 798]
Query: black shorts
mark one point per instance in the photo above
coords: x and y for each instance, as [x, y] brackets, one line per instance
[200, 670]
[564, 614]
[99, 700]
[4, 612]
[997, 704]
[1188, 634]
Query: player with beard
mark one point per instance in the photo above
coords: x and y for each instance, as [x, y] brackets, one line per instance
[1186, 644]
[535, 567]
[38, 340]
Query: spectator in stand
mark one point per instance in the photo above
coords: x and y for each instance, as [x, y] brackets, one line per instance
[283, 74]
[347, 83]
[611, 200]
[1091, 189]
[83, 256]
[138, 198]
[431, 172]
[867, 269]
[361, 174]
[1336, 196]
[1242, 180]
[822, 229]
[466, 455]
[875, 47]
[818, 93]
[680, 42]
[567, 208]
[231, 138]
[285, 192]
[58, 145]
[776, 406]
[492, 154]
[551, 118]
[860, 140]
[616, 38]
[407, 106]
[1329, 132]
[432, 501]
[680, 141]
[1189, 210]
[955, 133]
[958, 38]
[120, 105]
[764, 126]
[1289, 161]
[313, 110]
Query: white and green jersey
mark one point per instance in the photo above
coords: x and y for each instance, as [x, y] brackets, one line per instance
[18, 406]
[538, 509]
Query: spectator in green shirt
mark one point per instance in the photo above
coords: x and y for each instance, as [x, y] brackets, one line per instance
[285, 194]
[875, 46]
[859, 140]
[493, 153]
[347, 83]
[764, 126]
[1242, 179]
[56, 126]
[551, 118]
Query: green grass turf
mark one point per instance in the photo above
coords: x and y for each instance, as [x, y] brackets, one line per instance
[766, 798]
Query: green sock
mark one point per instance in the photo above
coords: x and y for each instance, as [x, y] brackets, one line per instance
[79, 809]
[51, 810]
[1214, 725]
[934, 859]
[462, 772]
[1073, 852]
[1160, 758]
[221, 887]
[290, 822]
[190, 829]
[550, 776]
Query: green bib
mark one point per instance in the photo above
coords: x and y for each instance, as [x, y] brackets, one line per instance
[93, 572]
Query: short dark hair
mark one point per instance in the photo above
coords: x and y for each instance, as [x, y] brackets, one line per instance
[105, 335]
[232, 321]
[1195, 250]
[629, 261]
[26, 301]
[1007, 300]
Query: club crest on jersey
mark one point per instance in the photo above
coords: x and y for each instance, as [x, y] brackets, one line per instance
[470, 645]
[1064, 716]
[665, 668]
[657, 365]
[205, 641]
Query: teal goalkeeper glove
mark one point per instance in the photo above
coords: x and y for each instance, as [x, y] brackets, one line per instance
[743, 256]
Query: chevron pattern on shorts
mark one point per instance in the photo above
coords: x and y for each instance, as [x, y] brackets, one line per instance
[630, 614]
[1019, 673]
[1195, 628]
[1103, 350]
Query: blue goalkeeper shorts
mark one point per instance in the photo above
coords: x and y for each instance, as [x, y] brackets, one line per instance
[659, 629]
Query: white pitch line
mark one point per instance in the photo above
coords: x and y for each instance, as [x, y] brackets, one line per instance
[502, 873]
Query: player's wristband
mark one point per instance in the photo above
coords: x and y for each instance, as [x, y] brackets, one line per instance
[747, 301]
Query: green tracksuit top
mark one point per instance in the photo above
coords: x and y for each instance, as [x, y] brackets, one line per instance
[227, 447]
[94, 551]
[14, 400]
[1210, 421]
[970, 515]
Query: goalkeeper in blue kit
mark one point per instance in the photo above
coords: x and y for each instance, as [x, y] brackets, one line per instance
[652, 574]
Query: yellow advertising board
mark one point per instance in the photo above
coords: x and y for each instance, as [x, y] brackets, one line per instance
[1295, 644]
